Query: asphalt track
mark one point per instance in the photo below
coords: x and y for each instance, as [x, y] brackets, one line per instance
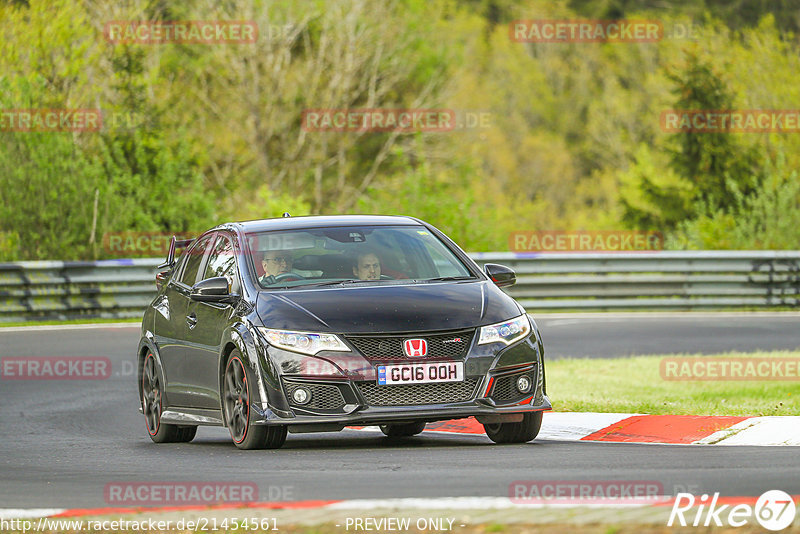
[608, 335]
[65, 440]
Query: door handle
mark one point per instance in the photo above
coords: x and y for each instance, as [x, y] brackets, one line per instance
[191, 320]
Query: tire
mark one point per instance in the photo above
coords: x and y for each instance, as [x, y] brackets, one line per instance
[403, 431]
[236, 400]
[521, 432]
[152, 390]
[186, 434]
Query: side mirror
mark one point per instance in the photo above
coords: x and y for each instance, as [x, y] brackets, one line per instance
[501, 275]
[161, 279]
[213, 290]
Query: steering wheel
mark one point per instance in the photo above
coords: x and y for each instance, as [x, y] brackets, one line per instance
[288, 277]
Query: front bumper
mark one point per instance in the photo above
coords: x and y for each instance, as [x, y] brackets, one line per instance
[492, 396]
[365, 415]
[492, 369]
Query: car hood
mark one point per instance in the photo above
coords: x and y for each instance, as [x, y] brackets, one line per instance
[390, 308]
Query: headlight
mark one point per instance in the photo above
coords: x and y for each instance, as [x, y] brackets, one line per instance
[303, 342]
[506, 332]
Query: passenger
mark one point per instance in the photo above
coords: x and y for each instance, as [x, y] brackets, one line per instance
[368, 266]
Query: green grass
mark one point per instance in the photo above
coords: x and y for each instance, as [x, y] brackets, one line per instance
[71, 321]
[634, 384]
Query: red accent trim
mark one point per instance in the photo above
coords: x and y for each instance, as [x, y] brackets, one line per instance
[489, 386]
[511, 368]
[683, 429]
[525, 401]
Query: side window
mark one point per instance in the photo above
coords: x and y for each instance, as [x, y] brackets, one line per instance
[222, 262]
[193, 261]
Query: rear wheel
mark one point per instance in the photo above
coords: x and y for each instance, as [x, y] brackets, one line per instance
[403, 430]
[236, 400]
[521, 432]
[152, 390]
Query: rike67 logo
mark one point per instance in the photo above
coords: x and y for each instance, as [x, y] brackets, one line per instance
[774, 510]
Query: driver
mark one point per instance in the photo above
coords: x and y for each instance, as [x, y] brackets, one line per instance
[368, 266]
[275, 262]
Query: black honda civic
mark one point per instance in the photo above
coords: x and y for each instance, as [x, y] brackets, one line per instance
[312, 324]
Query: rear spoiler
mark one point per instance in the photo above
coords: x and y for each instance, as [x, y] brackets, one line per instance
[174, 244]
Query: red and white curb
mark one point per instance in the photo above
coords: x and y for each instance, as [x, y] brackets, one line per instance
[663, 429]
[439, 503]
[456, 511]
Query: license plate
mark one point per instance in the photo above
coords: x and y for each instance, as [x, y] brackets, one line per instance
[420, 373]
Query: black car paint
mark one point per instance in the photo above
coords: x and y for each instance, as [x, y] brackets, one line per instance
[421, 307]
[193, 344]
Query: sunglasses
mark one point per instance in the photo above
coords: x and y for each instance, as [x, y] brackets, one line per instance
[279, 259]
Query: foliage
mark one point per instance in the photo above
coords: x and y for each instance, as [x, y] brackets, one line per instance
[716, 164]
[769, 219]
[194, 135]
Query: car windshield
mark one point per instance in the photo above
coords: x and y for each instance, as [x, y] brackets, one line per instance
[328, 257]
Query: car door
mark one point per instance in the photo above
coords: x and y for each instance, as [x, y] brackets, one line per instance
[204, 340]
[171, 323]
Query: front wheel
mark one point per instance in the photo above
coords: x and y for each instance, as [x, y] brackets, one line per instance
[521, 432]
[236, 401]
[403, 431]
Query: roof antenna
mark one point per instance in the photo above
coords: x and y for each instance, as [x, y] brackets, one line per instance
[286, 214]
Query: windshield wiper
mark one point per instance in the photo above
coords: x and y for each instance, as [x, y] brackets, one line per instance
[314, 284]
[357, 281]
[325, 283]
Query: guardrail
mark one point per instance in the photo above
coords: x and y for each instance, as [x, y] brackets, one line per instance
[58, 290]
[613, 281]
[653, 280]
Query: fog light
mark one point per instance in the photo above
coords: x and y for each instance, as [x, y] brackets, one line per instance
[301, 396]
[523, 384]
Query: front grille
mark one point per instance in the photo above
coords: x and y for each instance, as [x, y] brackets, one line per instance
[450, 345]
[415, 394]
[505, 387]
[323, 396]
